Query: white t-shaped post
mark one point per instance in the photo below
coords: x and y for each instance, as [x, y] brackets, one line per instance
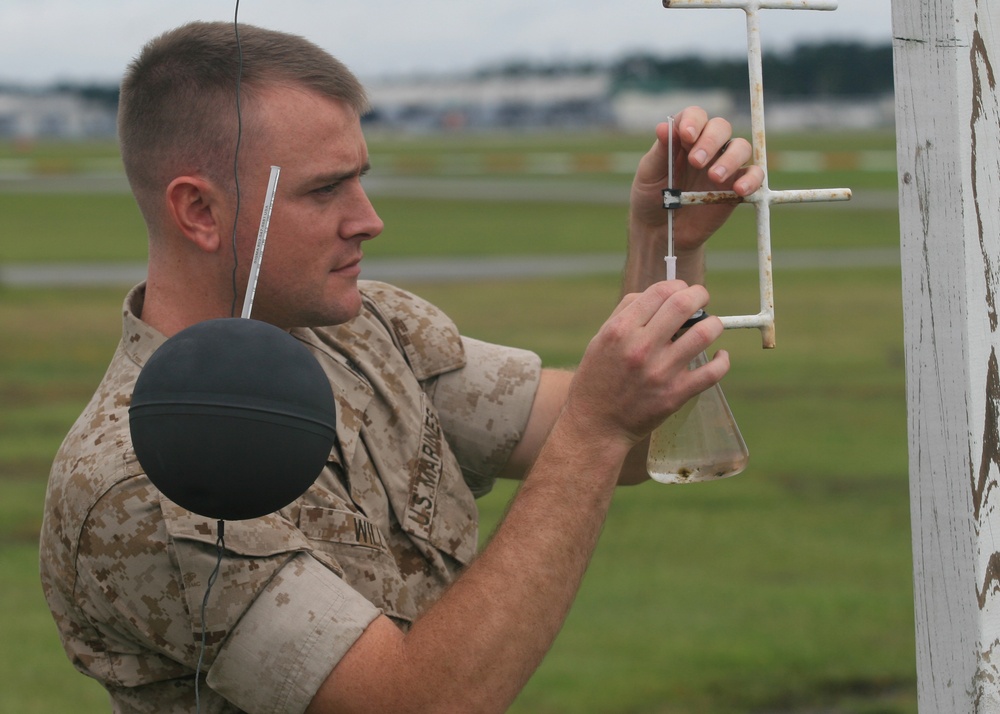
[764, 197]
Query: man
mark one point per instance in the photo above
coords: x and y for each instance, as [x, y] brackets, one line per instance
[366, 593]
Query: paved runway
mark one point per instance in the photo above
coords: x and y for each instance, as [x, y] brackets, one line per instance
[484, 189]
[449, 269]
[414, 270]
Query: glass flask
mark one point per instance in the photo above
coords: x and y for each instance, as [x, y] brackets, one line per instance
[699, 442]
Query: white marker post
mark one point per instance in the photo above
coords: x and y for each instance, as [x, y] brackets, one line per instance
[947, 55]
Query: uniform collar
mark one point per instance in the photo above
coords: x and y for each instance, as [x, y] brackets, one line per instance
[139, 340]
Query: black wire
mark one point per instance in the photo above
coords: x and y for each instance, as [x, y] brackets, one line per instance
[220, 542]
[236, 156]
[220, 547]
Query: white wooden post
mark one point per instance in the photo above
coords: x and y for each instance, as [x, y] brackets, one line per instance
[947, 55]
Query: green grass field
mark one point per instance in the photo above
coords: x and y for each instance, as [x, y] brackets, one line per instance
[785, 589]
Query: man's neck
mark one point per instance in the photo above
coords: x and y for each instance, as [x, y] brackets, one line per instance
[173, 305]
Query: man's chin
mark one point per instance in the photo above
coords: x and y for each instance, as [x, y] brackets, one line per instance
[328, 315]
[344, 308]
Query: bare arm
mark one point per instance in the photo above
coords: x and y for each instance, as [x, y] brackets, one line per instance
[705, 160]
[553, 390]
[474, 649]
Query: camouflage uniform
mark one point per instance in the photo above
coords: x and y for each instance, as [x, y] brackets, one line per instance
[426, 418]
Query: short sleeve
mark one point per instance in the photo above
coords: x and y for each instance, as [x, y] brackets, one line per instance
[484, 407]
[276, 621]
[290, 639]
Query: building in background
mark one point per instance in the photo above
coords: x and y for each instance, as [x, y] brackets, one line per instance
[833, 85]
[54, 114]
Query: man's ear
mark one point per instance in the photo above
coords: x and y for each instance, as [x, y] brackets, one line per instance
[195, 209]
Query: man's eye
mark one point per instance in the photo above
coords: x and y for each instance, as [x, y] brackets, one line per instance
[329, 188]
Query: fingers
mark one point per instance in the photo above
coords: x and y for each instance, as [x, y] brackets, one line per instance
[710, 373]
[715, 145]
[664, 306]
[635, 373]
[713, 151]
[660, 313]
[749, 180]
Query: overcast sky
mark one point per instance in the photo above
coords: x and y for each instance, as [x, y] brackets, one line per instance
[42, 41]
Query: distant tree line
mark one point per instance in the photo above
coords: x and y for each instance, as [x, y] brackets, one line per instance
[808, 70]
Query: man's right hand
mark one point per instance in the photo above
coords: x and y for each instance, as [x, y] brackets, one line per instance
[634, 374]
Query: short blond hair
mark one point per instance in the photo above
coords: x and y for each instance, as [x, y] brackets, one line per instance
[177, 110]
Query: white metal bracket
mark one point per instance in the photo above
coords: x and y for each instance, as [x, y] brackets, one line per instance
[763, 198]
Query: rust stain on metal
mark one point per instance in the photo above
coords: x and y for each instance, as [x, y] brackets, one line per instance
[715, 198]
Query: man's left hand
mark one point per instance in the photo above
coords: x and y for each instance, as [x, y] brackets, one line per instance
[706, 158]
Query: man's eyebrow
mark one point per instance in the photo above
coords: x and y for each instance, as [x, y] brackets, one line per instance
[338, 176]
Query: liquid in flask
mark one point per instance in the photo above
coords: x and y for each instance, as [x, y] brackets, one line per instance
[699, 442]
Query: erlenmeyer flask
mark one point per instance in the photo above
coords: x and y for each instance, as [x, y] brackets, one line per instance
[700, 442]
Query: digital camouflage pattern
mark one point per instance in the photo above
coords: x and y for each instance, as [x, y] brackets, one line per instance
[425, 420]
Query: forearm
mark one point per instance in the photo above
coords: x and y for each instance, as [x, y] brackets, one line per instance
[552, 392]
[514, 599]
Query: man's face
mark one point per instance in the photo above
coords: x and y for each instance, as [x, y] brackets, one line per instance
[321, 215]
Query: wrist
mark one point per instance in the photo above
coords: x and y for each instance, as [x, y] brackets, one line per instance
[648, 228]
[648, 245]
[648, 249]
[577, 433]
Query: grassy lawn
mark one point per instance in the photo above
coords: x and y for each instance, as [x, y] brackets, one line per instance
[107, 227]
[785, 589]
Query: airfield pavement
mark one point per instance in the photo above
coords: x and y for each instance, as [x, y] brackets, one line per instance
[443, 269]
